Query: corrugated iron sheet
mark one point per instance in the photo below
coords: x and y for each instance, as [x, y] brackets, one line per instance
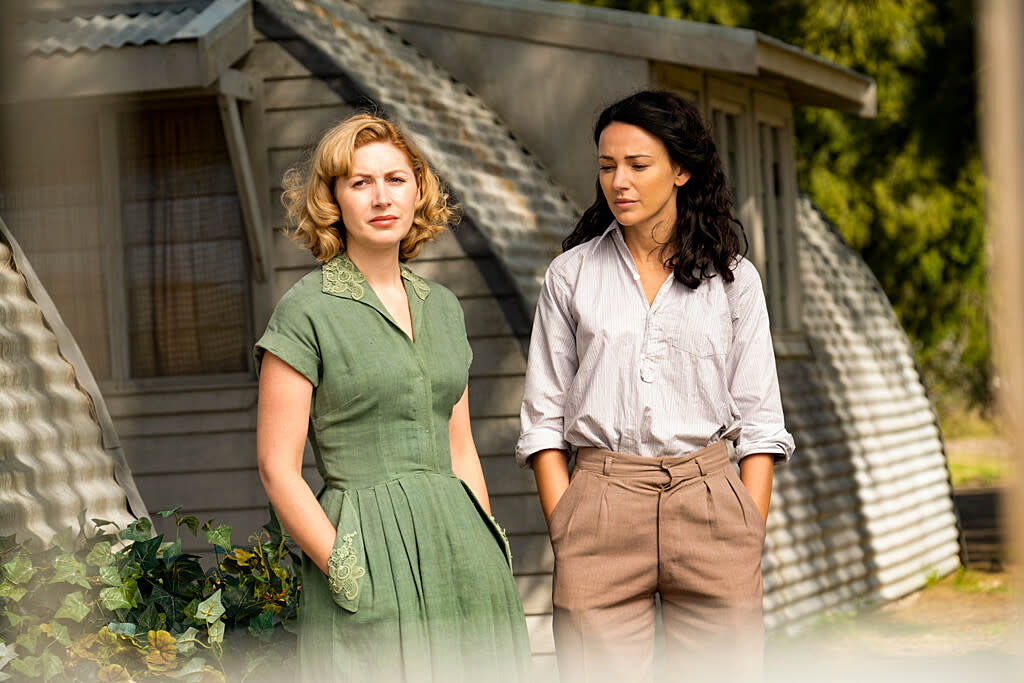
[505, 190]
[864, 511]
[97, 29]
[55, 467]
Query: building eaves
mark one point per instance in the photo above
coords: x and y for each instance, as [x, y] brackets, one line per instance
[95, 32]
[103, 50]
[808, 78]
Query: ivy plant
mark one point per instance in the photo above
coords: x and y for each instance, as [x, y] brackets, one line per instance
[125, 604]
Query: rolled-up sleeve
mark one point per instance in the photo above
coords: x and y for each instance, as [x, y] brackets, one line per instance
[753, 380]
[550, 372]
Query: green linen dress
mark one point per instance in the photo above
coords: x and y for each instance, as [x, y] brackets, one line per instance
[420, 585]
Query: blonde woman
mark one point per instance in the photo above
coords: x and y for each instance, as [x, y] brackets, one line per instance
[406, 576]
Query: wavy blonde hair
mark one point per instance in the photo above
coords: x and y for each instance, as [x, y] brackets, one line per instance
[309, 189]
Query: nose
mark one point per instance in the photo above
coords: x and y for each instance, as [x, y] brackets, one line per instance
[380, 195]
[620, 178]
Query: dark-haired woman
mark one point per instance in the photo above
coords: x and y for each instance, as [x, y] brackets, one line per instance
[650, 350]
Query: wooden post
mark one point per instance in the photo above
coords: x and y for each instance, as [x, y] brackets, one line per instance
[1001, 59]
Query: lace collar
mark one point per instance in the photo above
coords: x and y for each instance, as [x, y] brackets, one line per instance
[342, 278]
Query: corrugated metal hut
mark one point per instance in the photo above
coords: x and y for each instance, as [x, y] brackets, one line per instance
[181, 206]
[60, 460]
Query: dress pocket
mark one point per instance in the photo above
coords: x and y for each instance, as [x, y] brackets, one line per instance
[492, 524]
[346, 565]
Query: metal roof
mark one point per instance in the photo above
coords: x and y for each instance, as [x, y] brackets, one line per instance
[60, 457]
[98, 31]
[808, 78]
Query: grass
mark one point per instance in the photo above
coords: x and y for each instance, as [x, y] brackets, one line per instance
[979, 473]
[967, 581]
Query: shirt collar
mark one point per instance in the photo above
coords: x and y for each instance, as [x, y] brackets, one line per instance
[342, 278]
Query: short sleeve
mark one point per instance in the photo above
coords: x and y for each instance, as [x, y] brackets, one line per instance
[291, 336]
[460, 320]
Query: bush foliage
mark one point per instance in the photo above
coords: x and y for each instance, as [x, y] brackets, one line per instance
[126, 605]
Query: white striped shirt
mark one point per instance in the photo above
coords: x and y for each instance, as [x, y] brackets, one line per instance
[607, 370]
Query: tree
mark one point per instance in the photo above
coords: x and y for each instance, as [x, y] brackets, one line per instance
[906, 188]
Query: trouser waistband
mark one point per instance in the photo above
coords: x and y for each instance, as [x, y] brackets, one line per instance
[679, 467]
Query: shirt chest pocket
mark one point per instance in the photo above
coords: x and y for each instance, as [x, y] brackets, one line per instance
[701, 329]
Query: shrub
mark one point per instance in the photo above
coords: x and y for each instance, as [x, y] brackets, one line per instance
[124, 604]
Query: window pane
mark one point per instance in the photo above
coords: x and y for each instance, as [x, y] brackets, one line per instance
[185, 259]
[50, 199]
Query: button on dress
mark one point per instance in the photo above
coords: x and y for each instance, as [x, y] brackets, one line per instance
[420, 585]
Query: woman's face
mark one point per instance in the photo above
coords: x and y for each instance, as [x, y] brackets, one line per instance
[638, 178]
[378, 198]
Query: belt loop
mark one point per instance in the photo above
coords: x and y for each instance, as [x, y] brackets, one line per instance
[700, 465]
[607, 465]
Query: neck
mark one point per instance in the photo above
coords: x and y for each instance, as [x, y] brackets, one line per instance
[381, 268]
[645, 242]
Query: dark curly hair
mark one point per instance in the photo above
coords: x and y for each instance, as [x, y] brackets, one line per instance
[707, 237]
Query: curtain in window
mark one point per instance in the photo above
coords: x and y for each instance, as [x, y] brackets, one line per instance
[185, 260]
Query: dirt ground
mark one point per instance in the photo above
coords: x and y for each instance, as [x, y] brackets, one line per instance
[965, 627]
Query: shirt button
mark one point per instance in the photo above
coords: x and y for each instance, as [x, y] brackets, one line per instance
[636, 276]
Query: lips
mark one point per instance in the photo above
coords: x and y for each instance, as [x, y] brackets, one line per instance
[383, 221]
[624, 203]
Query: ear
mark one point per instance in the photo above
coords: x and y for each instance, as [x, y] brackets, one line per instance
[682, 177]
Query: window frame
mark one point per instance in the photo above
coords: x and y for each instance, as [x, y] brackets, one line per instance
[757, 102]
[248, 125]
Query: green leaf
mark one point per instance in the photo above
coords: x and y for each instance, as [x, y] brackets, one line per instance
[221, 536]
[19, 569]
[109, 576]
[30, 667]
[7, 653]
[52, 666]
[115, 598]
[211, 609]
[122, 628]
[216, 631]
[12, 617]
[262, 627]
[169, 551]
[186, 642]
[190, 612]
[167, 513]
[144, 553]
[193, 669]
[29, 640]
[73, 608]
[69, 570]
[65, 540]
[58, 632]
[139, 530]
[149, 620]
[191, 522]
[172, 605]
[100, 523]
[12, 592]
[101, 555]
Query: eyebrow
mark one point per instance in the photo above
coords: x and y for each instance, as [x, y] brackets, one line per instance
[628, 156]
[360, 174]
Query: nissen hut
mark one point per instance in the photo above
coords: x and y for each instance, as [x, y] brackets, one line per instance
[145, 147]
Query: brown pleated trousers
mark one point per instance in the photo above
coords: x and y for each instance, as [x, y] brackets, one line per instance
[684, 527]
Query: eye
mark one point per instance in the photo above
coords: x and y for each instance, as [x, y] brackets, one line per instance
[397, 179]
[605, 169]
[358, 183]
[639, 167]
